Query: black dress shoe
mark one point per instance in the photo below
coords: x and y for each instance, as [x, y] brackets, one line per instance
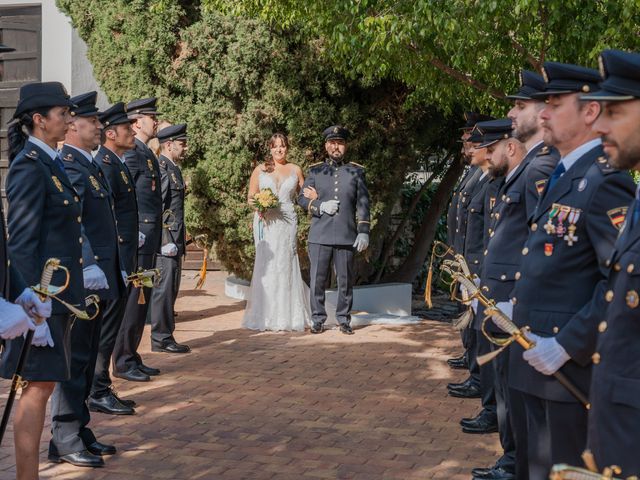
[480, 472]
[458, 363]
[148, 370]
[109, 404]
[124, 401]
[171, 347]
[83, 458]
[317, 328]
[461, 386]
[472, 391]
[472, 420]
[495, 473]
[486, 422]
[346, 329]
[455, 359]
[133, 375]
[101, 449]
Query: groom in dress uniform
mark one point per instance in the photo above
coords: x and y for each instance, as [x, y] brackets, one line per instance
[335, 233]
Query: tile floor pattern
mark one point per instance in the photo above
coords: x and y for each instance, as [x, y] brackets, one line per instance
[249, 405]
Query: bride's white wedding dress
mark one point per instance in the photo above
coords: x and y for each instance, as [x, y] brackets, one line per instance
[278, 298]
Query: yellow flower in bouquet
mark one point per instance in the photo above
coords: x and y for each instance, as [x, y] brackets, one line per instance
[264, 200]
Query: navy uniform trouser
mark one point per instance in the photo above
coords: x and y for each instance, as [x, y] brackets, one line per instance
[69, 412]
[321, 258]
[125, 353]
[111, 322]
[556, 433]
[163, 299]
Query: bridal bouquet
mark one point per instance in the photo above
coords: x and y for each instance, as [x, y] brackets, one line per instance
[264, 200]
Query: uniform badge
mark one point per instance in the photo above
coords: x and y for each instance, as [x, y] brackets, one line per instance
[94, 183]
[574, 216]
[124, 177]
[57, 183]
[106, 159]
[153, 185]
[68, 158]
[549, 227]
[492, 202]
[149, 164]
[617, 216]
[548, 249]
[540, 184]
[173, 177]
[582, 185]
[632, 299]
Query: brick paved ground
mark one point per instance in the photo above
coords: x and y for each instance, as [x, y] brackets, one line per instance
[247, 405]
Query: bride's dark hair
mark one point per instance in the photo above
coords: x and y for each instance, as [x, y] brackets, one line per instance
[278, 136]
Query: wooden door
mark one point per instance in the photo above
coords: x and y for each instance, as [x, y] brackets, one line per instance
[20, 28]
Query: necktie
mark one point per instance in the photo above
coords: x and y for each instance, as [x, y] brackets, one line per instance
[555, 176]
[635, 215]
[58, 161]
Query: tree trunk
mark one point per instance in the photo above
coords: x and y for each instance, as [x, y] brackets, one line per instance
[387, 251]
[425, 235]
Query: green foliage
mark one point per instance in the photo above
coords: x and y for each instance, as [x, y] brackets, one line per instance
[454, 51]
[235, 82]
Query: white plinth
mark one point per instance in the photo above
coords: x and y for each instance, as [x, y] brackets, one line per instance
[236, 288]
[390, 299]
[379, 304]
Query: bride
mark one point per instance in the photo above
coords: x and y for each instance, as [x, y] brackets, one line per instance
[278, 298]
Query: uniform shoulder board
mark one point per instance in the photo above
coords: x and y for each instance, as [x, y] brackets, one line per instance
[544, 151]
[163, 163]
[106, 159]
[605, 166]
[357, 164]
[316, 164]
[33, 155]
[68, 158]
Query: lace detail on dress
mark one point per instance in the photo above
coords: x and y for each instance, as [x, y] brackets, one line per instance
[278, 298]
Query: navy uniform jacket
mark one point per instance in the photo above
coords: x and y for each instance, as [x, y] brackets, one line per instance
[125, 203]
[145, 171]
[11, 282]
[474, 235]
[464, 196]
[173, 199]
[344, 182]
[544, 161]
[508, 229]
[452, 212]
[614, 419]
[100, 237]
[554, 288]
[44, 222]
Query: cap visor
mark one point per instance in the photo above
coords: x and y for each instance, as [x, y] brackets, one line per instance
[487, 144]
[548, 93]
[607, 95]
[518, 96]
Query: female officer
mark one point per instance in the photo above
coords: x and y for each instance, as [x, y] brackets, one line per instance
[44, 219]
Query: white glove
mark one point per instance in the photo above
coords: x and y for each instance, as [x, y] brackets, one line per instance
[14, 321]
[124, 276]
[330, 207]
[547, 356]
[506, 308]
[169, 250]
[362, 242]
[42, 336]
[474, 305]
[94, 278]
[141, 238]
[32, 304]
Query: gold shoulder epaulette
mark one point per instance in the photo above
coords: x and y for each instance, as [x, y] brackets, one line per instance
[357, 164]
[544, 151]
[605, 166]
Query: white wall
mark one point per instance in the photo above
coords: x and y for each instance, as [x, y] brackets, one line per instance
[64, 56]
